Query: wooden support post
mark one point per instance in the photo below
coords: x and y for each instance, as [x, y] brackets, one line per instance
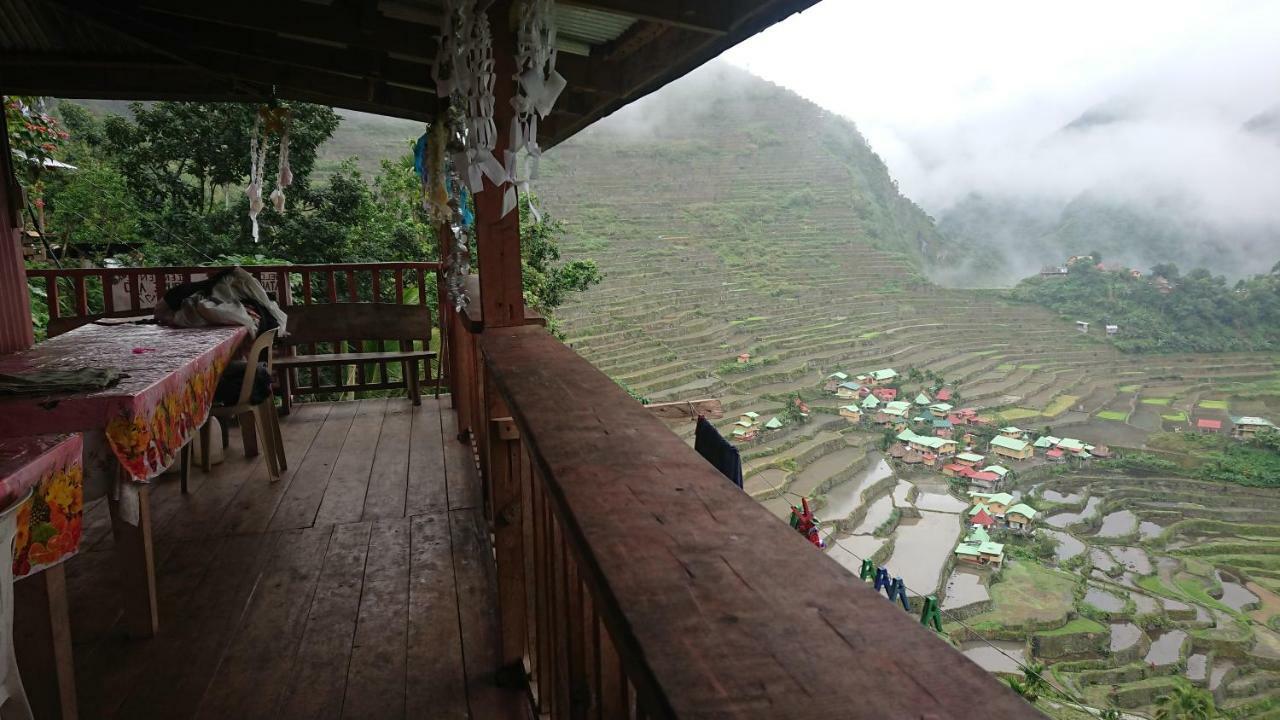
[498, 235]
[15, 306]
[130, 505]
[505, 456]
[42, 636]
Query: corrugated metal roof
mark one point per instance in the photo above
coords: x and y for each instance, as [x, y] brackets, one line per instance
[593, 27]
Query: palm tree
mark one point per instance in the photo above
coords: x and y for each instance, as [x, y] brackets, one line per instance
[1022, 689]
[1185, 703]
[1033, 679]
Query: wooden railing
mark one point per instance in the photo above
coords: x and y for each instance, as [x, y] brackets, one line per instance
[76, 296]
[634, 581]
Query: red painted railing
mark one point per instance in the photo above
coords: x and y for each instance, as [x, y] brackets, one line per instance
[76, 296]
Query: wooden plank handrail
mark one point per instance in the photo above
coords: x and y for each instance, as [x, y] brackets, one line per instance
[635, 581]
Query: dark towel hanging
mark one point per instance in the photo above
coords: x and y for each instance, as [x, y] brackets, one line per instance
[718, 451]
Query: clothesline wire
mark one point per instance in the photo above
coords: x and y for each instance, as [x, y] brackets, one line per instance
[1026, 669]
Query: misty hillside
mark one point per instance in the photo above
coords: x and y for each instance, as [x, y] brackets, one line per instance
[996, 238]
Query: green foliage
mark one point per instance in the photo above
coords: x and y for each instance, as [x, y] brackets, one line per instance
[547, 282]
[1143, 462]
[1201, 313]
[1185, 703]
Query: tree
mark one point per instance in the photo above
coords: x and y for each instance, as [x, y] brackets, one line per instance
[1185, 703]
[546, 281]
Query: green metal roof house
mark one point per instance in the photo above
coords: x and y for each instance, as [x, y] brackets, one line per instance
[773, 424]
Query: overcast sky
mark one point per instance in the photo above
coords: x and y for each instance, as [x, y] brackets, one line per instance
[971, 96]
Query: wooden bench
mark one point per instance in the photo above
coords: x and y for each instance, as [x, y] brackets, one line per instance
[350, 325]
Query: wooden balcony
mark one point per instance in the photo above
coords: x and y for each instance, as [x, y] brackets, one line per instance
[361, 585]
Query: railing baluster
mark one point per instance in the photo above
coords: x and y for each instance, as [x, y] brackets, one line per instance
[614, 702]
[306, 287]
[51, 296]
[108, 292]
[81, 298]
[560, 611]
[542, 622]
[579, 690]
[332, 288]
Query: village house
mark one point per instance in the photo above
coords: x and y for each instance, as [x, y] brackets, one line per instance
[886, 375]
[833, 381]
[749, 418]
[1055, 455]
[1020, 517]
[852, 413]
[1014, 432]
[743, 434]
[982, 480]
[977, 549]
[982, 519]
[1011, 448]
[886, 394]
[1247, 427]
[1082, 326]
[802, 407]
[744, 357]
[942, 427]
[1113, 329]
[923, 399]
[995, 503]
[1045, 442]
[999, 471]
[969, 459]
[773, 424]
[848, 390]
[940, 447]
[944, 395]
[940, 409]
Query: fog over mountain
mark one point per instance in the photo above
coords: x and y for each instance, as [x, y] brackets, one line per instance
[1148, 131]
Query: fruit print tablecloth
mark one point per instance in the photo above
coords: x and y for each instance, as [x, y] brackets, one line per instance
[148, 416]
[49, 521]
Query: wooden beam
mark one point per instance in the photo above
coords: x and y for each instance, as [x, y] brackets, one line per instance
[712, 17]
[498, 235]
[345, 24]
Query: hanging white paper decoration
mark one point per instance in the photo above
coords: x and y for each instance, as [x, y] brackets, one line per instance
[538, 85]
[257, 158]
[284, 173]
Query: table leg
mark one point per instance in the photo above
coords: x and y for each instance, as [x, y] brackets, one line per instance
[130, 505]
[43, 638]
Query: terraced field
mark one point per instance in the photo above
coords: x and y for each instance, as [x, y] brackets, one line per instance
[762, 225]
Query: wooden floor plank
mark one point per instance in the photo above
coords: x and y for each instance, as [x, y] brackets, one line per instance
[319, 677]
[256, 502]
[118, 662]
[179, 661]
[297, 509]
[388, 482]
[258, 663]
[376, 680]
[426, 480]
[459, 467]
[349, 483]
[436, 683]
[477, 589]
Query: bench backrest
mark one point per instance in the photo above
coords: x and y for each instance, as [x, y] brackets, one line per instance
[331, 322]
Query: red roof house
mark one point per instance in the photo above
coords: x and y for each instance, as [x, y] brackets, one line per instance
[982, 518]
[1207, 424]
[1054, 454]
[944, 395]
[885, 394]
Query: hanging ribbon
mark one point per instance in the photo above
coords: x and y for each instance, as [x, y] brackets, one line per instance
[284, 173]
[538, 86]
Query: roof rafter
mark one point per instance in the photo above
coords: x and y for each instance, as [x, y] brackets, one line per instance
[712, 18]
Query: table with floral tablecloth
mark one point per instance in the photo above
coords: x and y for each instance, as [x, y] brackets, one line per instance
[146, 418]
[49, 521]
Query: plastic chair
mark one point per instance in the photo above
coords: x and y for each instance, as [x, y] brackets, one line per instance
[259, 423]
[13, 698]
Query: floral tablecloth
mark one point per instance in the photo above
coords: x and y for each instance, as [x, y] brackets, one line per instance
[49, 521]
[148, 416]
